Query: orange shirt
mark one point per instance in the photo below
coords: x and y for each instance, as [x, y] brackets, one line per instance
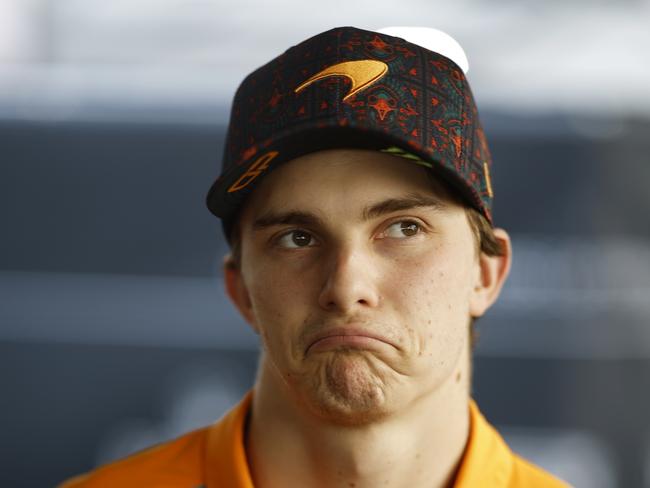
[214, 457]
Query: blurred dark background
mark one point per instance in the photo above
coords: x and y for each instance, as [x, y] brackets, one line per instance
[115, 332]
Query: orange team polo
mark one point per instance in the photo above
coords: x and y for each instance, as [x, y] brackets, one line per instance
[214, 457]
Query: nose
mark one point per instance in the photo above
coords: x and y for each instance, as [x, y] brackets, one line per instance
[350, 282]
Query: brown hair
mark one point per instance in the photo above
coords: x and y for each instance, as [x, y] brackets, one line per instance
[486, 243]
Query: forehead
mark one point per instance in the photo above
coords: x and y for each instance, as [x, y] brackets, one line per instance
[341, 179]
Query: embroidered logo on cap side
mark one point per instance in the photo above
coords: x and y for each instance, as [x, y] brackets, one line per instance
[488, 180]
[362, 74]
[260, 165]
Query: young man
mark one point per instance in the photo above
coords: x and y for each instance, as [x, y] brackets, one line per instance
[356, 196]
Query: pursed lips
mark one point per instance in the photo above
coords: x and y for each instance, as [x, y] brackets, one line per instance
[346, 336]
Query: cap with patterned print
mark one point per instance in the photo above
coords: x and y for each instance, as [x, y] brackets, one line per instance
[354, 88]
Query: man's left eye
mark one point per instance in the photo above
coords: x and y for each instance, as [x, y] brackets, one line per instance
[402, 229]
[296, 239]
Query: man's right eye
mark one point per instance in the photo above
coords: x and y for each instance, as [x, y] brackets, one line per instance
[295, 239]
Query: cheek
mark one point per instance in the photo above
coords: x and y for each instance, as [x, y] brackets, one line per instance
[269, 304]
[282, 284]
[431, 294]
[270, 291]
[279, 309]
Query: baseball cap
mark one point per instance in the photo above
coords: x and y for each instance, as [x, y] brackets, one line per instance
[354, 88]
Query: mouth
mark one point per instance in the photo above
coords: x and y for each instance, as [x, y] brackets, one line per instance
[348, 338]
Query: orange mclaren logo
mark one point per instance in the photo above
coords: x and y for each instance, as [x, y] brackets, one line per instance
[362, 74]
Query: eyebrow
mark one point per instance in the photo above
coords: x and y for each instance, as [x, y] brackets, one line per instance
[301, 219]
[390, 205]
[410, 201]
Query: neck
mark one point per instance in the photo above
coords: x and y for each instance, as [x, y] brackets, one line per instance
[421, 446]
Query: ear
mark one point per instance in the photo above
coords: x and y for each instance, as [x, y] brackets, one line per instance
[237, 291]
[492, 274]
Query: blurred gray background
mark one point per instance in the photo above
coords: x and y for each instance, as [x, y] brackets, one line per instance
[115, 332]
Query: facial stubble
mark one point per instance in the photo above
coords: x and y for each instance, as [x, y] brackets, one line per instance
[348, 386]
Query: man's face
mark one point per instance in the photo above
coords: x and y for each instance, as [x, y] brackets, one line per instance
[360, 277]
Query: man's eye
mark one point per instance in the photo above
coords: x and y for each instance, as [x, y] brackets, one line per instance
[402, 229]
[296, 238]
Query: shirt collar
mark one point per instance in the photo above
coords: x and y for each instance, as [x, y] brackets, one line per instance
[225, 461]
[487, 460]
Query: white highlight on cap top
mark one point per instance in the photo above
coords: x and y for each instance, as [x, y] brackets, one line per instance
[433, 40]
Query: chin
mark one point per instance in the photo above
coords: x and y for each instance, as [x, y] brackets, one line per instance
[350, 389]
